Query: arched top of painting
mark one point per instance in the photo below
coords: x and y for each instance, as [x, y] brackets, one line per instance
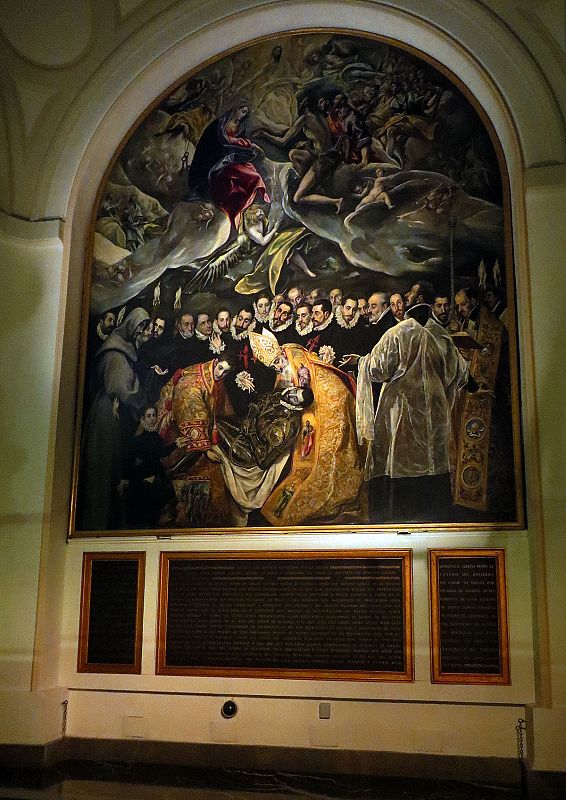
[270, 218]
[322, 58]
[357, 139]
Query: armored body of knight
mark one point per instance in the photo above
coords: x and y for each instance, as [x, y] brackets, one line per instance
[262, 460]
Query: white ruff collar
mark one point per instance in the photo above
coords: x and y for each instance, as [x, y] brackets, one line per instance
[289, 406]
[263, 320]
[148, 428]
[271, 321]
[103, 336]
[238, 337]
[324, 325]
[282, 327]
[217, 330]
[342, 322]
[303, 331]
[201, 336]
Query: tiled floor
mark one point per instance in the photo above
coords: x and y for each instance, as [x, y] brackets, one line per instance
[104, 781]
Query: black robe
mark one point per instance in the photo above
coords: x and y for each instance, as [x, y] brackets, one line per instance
[213, 150]
[154, 352]
[222, 170]
[245, 361]
[349, 340]
[186, 352]
[146, 499]
[324, 338]
[375, 330]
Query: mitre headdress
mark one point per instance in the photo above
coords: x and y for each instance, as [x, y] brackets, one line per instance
[265, 347]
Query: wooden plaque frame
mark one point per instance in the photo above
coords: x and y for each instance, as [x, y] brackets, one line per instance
[503, 677]
[83, 663]
[162, 668]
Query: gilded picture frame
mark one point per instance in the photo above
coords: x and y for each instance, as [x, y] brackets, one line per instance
[111, 613]
[469, 632]
[299, 309]
[348, 615]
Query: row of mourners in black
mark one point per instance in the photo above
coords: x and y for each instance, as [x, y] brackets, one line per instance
[331, 326]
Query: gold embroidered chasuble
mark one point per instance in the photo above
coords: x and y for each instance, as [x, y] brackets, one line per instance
[474, 421]
[325, 484]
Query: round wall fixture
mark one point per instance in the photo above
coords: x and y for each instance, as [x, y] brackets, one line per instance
[229, 709]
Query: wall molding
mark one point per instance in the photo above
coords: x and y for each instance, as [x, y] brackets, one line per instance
[17, 227]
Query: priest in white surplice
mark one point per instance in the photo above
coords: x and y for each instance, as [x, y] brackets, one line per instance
[408, 435]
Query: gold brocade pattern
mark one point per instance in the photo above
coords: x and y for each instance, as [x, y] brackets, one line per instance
[193, 405]
[187, 407]
[326, 485]
[472, 461]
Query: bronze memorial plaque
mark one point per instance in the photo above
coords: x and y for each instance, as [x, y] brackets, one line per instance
[110, 633]
[469, 636]
[327, 615]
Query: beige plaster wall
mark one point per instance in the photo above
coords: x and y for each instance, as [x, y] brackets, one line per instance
[64, 108]
[30, 300]
[31, 266]
[367, 715]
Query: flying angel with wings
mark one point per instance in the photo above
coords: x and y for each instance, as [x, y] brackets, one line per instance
[273, 249]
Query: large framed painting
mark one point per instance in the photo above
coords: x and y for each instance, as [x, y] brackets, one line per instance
[299, 303]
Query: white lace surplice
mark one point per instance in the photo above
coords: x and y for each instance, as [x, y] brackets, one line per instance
[421, 370]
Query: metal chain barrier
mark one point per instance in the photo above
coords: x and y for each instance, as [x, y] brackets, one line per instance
[65, 705]
[520, 729]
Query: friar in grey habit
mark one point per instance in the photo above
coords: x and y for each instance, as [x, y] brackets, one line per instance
[118, 402]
